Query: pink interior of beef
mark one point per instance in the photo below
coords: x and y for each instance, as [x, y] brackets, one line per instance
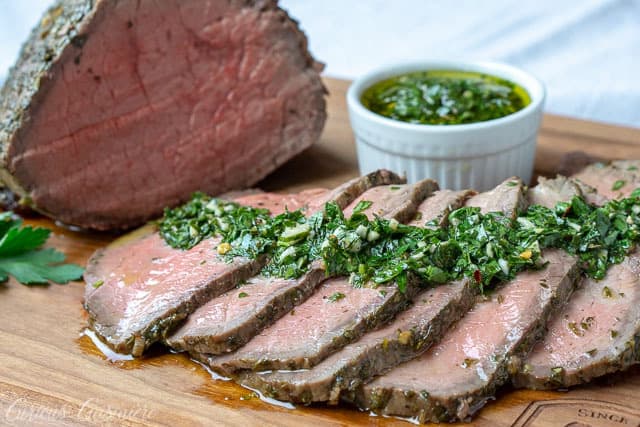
[165, 99]
[311, 326]
[442, 202]
[279, 203]
[143, 276]
[232, 309]
[610, 183]
[463, 360]
[595, 323]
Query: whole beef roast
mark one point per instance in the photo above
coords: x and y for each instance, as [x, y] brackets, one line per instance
[139, 288]
[118, 108]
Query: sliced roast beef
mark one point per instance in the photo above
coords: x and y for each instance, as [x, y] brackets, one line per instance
[227, 322]
[138, 288]
[455, 377]
[597, 333]
[438, 207]
[409, 334]
[610, 181]
[336, 314]
[510, 201]
[139, 104]
[549, 192]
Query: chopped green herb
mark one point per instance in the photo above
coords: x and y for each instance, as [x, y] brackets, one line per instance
[618, 184]
[336, 296]
[613, 333]
[487, 248]
[21, 255]
[442, 97]
[606, 292]
[632, 168]
[587, 323]
[394, 187]
[557, 373]
[98, 283]
[512, 183]
[243, 295]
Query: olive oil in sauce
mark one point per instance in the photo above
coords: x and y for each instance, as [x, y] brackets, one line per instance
[443, 97]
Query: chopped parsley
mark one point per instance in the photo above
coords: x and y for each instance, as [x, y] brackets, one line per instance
[618, 184]
[335, 297]
[486, 248]
[21, 255]
[243, 295]
[444, 97]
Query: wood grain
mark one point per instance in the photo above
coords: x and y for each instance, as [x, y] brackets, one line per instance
[51, 375]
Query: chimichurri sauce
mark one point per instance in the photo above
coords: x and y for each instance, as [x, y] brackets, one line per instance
[441, 97]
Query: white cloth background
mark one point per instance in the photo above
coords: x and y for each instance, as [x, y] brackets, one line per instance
[586, 51]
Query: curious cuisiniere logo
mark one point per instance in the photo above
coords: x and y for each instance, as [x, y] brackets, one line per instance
[578, 413]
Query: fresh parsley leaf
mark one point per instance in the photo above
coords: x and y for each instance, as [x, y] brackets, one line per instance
[39, 267]
[21, 258]
[20, 240]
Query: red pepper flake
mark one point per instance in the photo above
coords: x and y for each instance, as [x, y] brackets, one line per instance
[477, 275]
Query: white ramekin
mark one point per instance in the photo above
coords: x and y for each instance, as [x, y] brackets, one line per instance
[477, 155]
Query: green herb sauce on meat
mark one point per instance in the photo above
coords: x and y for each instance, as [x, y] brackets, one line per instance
[487, 248]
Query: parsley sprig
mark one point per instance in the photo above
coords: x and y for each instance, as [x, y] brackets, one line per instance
[21, 255]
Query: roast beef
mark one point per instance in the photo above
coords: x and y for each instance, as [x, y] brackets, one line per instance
[598, 332]
[323, 323]
[138, 288]
[439, 206]
[506, 198]
[118, 108]
[227, 322]
[409, 334]
[549, 191]
[456, 377]
[611, 181]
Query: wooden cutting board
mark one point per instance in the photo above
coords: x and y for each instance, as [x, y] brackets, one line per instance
[51, 375]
